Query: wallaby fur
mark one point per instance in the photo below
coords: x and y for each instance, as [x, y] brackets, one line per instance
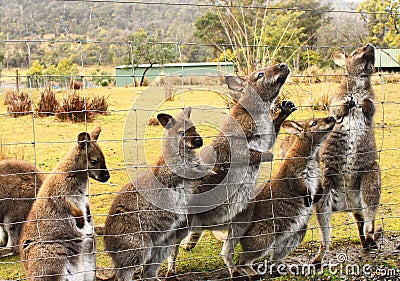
[139, 233]
[350, 172]
[20, 180]
[276, 220]
[252, 115]
[57, 241]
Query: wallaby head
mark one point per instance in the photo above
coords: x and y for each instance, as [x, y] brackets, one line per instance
[96, 164]
[180, 126]
[360, 62]
[314, 130]
[266, 82]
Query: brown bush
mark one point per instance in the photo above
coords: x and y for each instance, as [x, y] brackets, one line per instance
[18, 104]
[48, 104]
[99, 104]
[75, 108]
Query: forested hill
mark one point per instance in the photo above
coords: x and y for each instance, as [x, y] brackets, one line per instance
[20, 19]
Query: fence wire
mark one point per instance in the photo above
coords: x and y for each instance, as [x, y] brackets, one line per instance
[43, 114]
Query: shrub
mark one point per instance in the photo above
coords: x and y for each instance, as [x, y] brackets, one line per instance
[104, 83]
[322, 102]
[18, 104]
[99, 104]
[48, 104]
[75, 108]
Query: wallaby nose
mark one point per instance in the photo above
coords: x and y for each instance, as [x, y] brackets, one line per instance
[105, 176]
[331, 119]
[283, 66]
[369, 45]
[198, 142]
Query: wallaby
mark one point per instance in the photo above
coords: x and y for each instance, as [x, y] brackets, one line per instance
[20, 181]
[351, 175]
[57, 241]
[276, 220]
[138, 232]
[228, 191]
[285, 109]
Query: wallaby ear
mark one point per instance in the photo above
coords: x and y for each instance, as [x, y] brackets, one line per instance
[166, 120]
[339, 58]
[292, 127]
[235, 83]
[187, 111]
[83, 139]
[94, 134]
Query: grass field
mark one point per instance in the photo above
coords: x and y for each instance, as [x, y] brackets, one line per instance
[44, 141]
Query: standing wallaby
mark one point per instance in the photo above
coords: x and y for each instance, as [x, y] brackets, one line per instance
[19, 181]
[351, 174]
[57, 241]
[226, 193]
[139, 233]
[276, 220]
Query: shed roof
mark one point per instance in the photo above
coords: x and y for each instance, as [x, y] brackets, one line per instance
[185, 64]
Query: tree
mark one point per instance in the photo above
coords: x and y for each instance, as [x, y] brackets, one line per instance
[383, 21]
[35, 71]
[253, 36]
[149, 50]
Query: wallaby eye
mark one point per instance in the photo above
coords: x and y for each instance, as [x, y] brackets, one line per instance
[314, 124]
[260, 74]
[93, 162]
[182, 133]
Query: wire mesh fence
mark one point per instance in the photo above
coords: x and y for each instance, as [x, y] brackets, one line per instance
[173, 184]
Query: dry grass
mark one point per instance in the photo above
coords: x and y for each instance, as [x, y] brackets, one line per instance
[48, 103]
[18, 104]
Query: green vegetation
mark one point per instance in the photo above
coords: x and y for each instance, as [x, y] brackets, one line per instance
[45, 140]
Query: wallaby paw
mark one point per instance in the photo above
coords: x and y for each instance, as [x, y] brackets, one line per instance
[378, 234]
[370, 244]
[317, 262]
[6, 252]
[267, 157]
[288, 107]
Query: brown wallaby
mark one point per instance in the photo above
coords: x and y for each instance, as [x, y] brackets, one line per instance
[276, 220]
[20, 181]
[57, 241]
[285, 109]
[223, 195]
[137, 231]
[351, 175]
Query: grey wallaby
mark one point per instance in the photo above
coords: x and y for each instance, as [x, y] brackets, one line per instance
[351, 175]
[20, 180]
[57, 241]
[138, 232]
[276, 220]
[228, 192]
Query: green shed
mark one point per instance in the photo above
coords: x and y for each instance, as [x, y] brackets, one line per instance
[387, 59]
[125, 74]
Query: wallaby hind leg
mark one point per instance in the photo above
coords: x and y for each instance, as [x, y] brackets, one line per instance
[3, 236]
[158, 254]
[324, 214]
[13, 232]
[191, 240]
[370, 195]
